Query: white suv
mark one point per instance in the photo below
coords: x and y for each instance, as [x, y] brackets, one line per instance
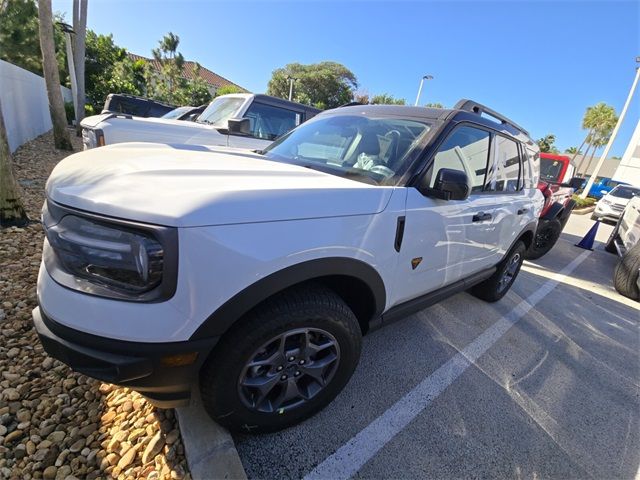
[255, 275]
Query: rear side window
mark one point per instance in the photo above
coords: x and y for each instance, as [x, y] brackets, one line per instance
[467, 150]
[504, 170]
[268, 122]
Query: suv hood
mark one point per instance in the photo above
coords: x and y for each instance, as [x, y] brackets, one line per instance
[121, 128]
[188, 186]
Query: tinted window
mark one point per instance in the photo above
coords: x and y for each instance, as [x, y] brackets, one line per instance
[550, 170]
[625, 192]
[269, 122]
[504, 170]
[467, 150]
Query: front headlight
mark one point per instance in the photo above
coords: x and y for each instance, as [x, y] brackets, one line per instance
[605, 201]
[106, 259]
[92, 138]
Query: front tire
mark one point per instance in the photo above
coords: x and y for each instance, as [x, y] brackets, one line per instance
[625, 275]
[547, 234]
[610, 246]
[497, 285]
[283, 363]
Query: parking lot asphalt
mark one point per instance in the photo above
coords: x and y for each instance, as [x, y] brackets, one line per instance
[544, 383]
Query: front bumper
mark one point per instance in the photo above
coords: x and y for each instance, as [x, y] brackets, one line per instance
[165, 373]
[607, 212]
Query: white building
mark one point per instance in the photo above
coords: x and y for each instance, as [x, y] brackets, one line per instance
[629, 169]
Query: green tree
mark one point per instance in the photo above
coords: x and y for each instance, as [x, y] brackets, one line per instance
[572, 150]
[227, 89]
[546, 143]
[599, 120]
[386, 99]
[19, 37]
[12, 210]
[52, 76]
[167, 83]
[323, 85]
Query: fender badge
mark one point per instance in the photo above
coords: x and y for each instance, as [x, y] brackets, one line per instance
[415, 262]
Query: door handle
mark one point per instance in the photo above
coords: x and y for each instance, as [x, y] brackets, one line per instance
[523, 210]
[481, 217]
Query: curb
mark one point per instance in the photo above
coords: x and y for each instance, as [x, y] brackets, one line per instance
[584, 211]
[209, 448]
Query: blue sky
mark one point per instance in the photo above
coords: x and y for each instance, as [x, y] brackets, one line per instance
[539, 62]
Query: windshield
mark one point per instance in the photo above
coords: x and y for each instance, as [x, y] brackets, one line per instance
[550, 170]
[220, 110]
[624, 192]
[176, 112]
[371, 150]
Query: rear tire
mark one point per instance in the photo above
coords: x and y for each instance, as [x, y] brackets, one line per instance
[283, 363]
[625, 275]
[547, 234]
[498, 284]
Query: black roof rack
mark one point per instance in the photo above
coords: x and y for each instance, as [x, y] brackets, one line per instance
[475, 107]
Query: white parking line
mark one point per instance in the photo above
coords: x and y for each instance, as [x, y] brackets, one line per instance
[352, 456]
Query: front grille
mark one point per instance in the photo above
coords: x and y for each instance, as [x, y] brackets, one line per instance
[617, 208]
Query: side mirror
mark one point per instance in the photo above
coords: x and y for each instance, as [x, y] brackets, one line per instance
[449, 185]
[239, 126]
[575, 183]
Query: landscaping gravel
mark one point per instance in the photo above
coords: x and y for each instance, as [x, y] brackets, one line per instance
[55, 423]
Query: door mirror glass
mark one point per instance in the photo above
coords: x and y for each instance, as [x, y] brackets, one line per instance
[575, 183]
[449, 184]
[239, 126]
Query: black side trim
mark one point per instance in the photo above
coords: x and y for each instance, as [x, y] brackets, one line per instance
[416, 304]
[399, 233]
[220, 320]
[555, 211]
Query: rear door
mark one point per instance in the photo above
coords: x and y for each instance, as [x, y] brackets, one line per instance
[505, 185]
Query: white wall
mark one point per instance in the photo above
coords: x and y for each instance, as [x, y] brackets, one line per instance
[25, 106]
[629, 169]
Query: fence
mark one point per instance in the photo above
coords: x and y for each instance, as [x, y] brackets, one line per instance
[25, 105]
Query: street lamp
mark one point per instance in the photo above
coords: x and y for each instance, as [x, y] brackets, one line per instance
[291, 80]
[426, 77]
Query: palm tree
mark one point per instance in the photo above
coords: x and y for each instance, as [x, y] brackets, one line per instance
[80, 27]
[600, 120]
[546, 143]
[572, 150]
[12, 210]
[52, 77]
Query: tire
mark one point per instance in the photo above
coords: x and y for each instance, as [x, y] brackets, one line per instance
[625, 275]
[547, 234]
[610, 246]
[229, 384]
[497, 285]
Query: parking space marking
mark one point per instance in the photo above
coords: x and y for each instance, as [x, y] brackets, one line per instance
[352, 456]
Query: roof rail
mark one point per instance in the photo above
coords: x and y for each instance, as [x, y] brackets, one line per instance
[475, 107]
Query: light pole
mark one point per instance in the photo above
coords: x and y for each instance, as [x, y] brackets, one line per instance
[613, 134]
[68, 30]
[291, 80]
[426, 77]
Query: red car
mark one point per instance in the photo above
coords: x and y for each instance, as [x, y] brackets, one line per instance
[555, 170]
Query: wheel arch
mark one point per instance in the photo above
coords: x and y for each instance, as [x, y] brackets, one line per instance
[526, 236]
[356, 282]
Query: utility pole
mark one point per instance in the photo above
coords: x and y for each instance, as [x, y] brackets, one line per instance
[425, 77]
[613, 134]
[291, 80]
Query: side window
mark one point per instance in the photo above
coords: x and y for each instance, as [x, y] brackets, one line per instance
[268, 122]
[504, 169]
[466, 149]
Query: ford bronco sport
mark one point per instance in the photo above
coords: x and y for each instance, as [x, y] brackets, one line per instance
[253, 276]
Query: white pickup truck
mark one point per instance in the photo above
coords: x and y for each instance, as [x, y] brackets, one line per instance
[242, 120]
[625, 241]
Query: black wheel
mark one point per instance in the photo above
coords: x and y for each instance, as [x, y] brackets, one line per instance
[282, 363]
[497, 286]
[625, 275]
[610, 246]
[546, 237]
